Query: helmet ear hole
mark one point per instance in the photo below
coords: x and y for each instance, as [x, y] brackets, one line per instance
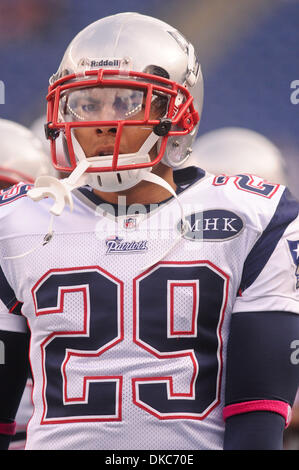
[177, 152]
[156, 70]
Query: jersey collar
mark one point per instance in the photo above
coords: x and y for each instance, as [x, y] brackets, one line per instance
[183, 179]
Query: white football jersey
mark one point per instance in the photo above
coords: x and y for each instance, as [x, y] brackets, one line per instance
[129, 316]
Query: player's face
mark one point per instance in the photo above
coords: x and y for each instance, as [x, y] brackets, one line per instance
[109, 105]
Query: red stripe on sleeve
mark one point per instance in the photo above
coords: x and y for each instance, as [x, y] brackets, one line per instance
[274, 406]
[8, 428]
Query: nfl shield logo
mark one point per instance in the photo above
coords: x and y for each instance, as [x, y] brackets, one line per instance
[130, 223]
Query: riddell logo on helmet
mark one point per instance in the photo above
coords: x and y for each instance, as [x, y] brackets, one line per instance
[105, 63]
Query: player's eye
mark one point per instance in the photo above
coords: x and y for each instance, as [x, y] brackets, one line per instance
[120, 105]
[90, 107]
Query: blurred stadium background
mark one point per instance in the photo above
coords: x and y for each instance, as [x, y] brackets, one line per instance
[248, 50]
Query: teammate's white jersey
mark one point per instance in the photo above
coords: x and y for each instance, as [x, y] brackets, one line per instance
[129, 320]
[23, 415]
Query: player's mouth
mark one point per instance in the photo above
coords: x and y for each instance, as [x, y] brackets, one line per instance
[105, 153]
[102, 151]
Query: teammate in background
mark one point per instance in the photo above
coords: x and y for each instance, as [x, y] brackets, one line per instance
[233, 150]
[22, 159]
[162, 306]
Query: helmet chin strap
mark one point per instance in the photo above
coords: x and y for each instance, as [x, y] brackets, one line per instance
[60, 190]
[122, 179]
[153, 178]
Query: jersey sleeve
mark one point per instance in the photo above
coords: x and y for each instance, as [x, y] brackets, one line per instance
[270, 278]
[11, 318]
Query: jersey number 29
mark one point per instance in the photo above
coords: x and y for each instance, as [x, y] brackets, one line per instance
[172, 330]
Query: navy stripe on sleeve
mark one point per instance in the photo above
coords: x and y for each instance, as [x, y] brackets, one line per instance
[7, 294]
[287, 210]
[259, 365]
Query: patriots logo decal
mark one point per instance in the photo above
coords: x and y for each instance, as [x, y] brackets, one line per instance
[294, 249]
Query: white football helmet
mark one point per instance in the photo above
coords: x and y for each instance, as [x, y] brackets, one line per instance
[21, 155]
[114, 73]
[233, 150]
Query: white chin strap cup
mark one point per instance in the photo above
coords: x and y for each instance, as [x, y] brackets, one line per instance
[49, 186]
[59, 190]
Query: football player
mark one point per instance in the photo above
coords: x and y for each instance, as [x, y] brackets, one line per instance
[163, 306]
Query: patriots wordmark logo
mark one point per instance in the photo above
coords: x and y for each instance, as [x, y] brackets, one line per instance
[118, 245]
[294, 249]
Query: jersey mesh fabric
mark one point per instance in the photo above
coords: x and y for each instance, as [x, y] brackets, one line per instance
[107, 372]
